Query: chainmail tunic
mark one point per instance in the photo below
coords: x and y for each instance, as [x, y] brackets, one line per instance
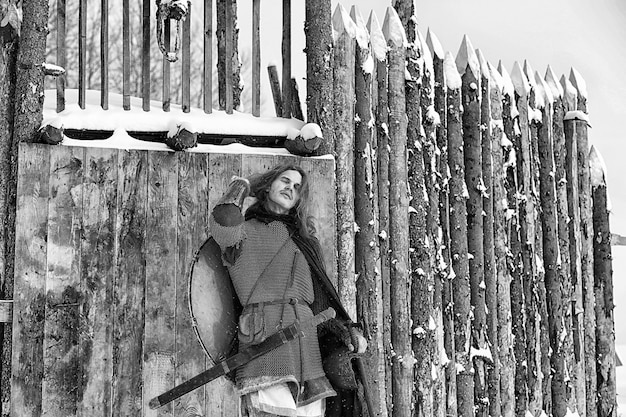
[265, 265]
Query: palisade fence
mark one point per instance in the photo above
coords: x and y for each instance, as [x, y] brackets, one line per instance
[472, 233]
[482, 271]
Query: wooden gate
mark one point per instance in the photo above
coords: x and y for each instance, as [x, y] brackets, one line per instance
[105, 242]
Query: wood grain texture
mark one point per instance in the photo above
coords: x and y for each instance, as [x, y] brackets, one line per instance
[98, 260]
[62, 368]
[128, 293]
[161, 254]
[192, 215]
[30, 276]
[221, 398]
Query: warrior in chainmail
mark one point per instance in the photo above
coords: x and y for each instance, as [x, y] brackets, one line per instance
[278, 273]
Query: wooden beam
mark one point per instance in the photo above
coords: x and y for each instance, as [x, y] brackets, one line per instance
[207, 100]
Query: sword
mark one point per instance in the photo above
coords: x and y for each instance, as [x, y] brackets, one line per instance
[273, 341]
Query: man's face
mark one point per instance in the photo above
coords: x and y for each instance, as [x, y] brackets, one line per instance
[284, 192]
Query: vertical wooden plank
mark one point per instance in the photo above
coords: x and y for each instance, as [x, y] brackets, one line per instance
[208, 57]
[322, 179]
[128, 293]
[61, 359]
[145, 56]
[126, 54]
[97, 278]
[252, 164]
[159, 342]
[192, 233]
[256, 58]
[30, 278]
[186, 58]
[221, 398]
[82, 52]
[61, 56]
[104, 54]
[286, 52]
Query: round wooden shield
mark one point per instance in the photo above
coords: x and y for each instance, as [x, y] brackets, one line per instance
[213, 304]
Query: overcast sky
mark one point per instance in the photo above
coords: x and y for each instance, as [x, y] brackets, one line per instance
[588, 36]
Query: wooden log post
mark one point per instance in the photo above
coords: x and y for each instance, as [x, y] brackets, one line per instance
[430, 150]
[403, 360]
[458, 243]
[343, 84]
[586, 240]
[550, 236]
[319, 71]
[367, 257]
[381, 109]
[577, 371]
[603, 275]
[540, 360]
[562, 354]
[513, 381]
[446, 405]
[207, 70]
[145, 57]
[286, 57]
[501, 376]
[421, 272]
[228, 65]
[492, 368]
[526, 364]
[469, 68]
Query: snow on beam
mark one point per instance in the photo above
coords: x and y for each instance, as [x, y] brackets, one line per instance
[393, 29]
[529, 72]
[579, 82]
[544, 91]
[553, 83]
[507, 84]
[426, 55]
[570, 95]
[362, 35]
[466, 58]
[495, 79]
[434, 45]
[597, 168]
[520, 82]
[451, 73]
[377, 39]
[342, 23]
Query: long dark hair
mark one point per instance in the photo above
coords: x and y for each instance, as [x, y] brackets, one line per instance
[261, 183]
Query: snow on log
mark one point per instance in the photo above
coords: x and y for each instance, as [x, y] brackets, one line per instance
[319, 74]
[458, 239]
[367, 259]
[378, 43]
[422, 278]
[517, 387]
[570, 127]
[382, 152]
[553, 82]
[492, 382]
[403, 361]
[344, 31]
[431, 152]
[603, 276]
[503, 361]
[562, 347]
[446, 273]
[586, 239]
